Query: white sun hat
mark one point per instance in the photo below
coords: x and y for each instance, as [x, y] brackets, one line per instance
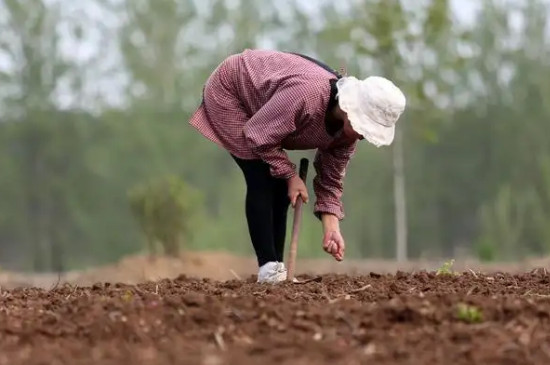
[373, 106]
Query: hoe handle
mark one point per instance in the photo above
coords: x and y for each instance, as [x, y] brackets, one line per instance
[304, 163]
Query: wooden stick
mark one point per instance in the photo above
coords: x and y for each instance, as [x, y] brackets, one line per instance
[296, 224]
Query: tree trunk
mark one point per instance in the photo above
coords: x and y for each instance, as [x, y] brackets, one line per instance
[172, 247]
[399, 198]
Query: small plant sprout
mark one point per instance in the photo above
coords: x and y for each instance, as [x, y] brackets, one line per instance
[446, 268]
[469, 313]
[127, 296]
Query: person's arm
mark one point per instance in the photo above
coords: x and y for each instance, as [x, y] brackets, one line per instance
[328, 184]
[330, 223]
[268, 127]
[333, 242]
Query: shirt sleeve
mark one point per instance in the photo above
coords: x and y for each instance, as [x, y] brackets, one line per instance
[328, 184]
[268, 127]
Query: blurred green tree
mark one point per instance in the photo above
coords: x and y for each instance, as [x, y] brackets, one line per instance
[167, 210]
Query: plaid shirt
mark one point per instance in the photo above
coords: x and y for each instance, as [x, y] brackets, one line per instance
[258, 103]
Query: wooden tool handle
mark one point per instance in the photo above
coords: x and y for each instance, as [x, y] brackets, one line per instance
[304, 163]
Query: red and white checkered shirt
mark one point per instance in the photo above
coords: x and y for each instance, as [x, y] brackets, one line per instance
[260, 102]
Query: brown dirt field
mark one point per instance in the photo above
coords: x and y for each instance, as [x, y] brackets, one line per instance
[342, 319]
[226, 266]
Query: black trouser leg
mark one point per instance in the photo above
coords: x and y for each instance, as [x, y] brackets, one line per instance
[281, 202]
[260, 192]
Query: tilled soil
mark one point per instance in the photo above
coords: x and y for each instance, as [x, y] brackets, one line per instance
[404, 318]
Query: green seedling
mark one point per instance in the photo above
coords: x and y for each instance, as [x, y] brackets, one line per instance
[127, 296]
[446, 268]
[469, 313]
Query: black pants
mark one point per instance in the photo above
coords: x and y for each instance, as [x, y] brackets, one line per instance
[266, 207]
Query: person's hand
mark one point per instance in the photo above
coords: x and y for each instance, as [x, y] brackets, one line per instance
[296, 188]
[333, 244]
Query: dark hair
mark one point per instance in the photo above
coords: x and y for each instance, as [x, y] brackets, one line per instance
[333, 92]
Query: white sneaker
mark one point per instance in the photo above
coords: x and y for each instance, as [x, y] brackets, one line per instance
[272, 272]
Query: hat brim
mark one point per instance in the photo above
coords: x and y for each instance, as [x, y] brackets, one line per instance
[374, 132]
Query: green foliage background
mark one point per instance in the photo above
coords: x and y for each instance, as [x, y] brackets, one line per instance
[92, 106]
